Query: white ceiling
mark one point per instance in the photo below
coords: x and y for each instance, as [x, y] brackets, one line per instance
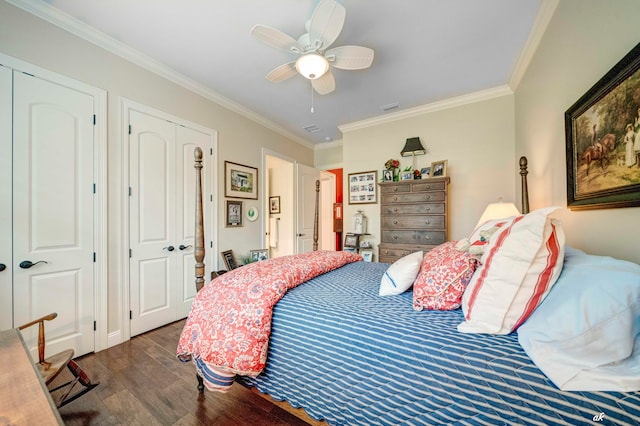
[425, 51]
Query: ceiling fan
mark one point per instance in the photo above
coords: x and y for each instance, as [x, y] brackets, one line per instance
[314, 57]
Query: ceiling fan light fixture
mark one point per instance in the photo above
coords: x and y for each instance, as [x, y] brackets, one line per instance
[312, 66]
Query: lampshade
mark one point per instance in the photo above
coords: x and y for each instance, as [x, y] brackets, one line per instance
[312, 66]
[498, 210]
[414, 147]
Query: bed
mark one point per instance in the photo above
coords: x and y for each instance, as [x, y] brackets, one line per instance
[346, 355]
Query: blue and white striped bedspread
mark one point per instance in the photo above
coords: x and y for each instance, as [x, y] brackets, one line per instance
[351, 357]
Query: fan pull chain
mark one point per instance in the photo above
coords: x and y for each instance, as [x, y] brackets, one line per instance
[311, 96]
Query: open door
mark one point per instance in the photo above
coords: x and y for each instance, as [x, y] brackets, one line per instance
[307, 177]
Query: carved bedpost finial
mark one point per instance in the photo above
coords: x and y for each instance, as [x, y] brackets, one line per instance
[199, 232]
[523, 184]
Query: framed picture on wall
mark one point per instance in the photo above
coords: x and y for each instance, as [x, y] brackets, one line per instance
[363, 187]
[240, 181]
[234, 213]
[274, 204]
[603, 140]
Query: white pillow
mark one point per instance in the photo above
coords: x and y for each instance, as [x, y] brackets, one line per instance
[585, 336]
[400, 276]
[520, 265]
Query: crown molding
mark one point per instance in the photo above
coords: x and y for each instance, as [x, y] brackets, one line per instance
[543, 18]
[457, 101]
[74, 26]
[328, 145]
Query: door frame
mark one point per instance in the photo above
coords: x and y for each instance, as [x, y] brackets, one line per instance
[124, 332]
[100, 182]
[264, 188]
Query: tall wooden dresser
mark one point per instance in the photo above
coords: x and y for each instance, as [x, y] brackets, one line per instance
[413, 216]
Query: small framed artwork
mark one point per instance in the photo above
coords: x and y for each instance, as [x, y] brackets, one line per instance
[240, 181]
[274, 204]
[363, 188]
[387, 175]
[229, 260]
[258, 255]
[439, 168]
[425, 172]
[234, 213]
[351, 240]
[406, 175]
[367, 255]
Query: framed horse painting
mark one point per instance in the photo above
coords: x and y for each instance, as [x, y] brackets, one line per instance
[603, 140]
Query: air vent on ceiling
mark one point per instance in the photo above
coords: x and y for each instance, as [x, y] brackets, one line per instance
[312, 128]
[389, 107]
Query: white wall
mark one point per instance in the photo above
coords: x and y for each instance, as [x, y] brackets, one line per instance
[583, 41]
[28, 38]
[477, 139]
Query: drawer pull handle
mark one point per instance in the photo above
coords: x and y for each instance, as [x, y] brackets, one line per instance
[395, 189]
[428, 222]
[395, 222]
[428, 208]
[428, 186]
[395, 198]
[428, 237]
[428, 197]
[395, 237]
[395, 210]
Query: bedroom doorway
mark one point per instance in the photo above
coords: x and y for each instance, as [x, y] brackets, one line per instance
[161, 191]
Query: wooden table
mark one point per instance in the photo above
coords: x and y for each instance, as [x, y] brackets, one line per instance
[24, 398]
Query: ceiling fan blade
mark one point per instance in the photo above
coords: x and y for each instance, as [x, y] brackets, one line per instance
[350, 57]
[325, 84]
[282, 72]
[275, 38]
[326, 23]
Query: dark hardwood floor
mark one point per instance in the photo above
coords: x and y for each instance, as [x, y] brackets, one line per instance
[143, 383]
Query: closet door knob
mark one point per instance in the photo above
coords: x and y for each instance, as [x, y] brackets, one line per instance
[2, 267]
[183, 247]
[26, 264]
[169, 248]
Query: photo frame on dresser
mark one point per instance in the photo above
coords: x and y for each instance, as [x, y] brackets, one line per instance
[439, 168]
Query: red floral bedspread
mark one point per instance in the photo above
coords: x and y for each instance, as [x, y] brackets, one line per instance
[230, 321]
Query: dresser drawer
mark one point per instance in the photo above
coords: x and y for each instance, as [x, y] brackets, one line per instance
[387, 252]
[428, 186]
[394, 188]
[413, 222]
[424, 208]
[412, 197]
[413, 237]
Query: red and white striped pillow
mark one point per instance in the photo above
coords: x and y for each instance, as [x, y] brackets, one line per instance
[519, 267]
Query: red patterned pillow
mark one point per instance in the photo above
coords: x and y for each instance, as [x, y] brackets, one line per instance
[444, 274]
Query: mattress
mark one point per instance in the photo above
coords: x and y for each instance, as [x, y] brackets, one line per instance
[351, 357]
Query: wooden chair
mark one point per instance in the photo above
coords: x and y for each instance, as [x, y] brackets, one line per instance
[50, 367]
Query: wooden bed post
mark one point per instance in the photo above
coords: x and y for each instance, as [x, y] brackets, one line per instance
[199, 233]
[315, 219]
[523, 184]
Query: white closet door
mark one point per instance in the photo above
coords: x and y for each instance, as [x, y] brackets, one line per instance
[6, 292]
[53, 211]
[152, 222]
[187, 140]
